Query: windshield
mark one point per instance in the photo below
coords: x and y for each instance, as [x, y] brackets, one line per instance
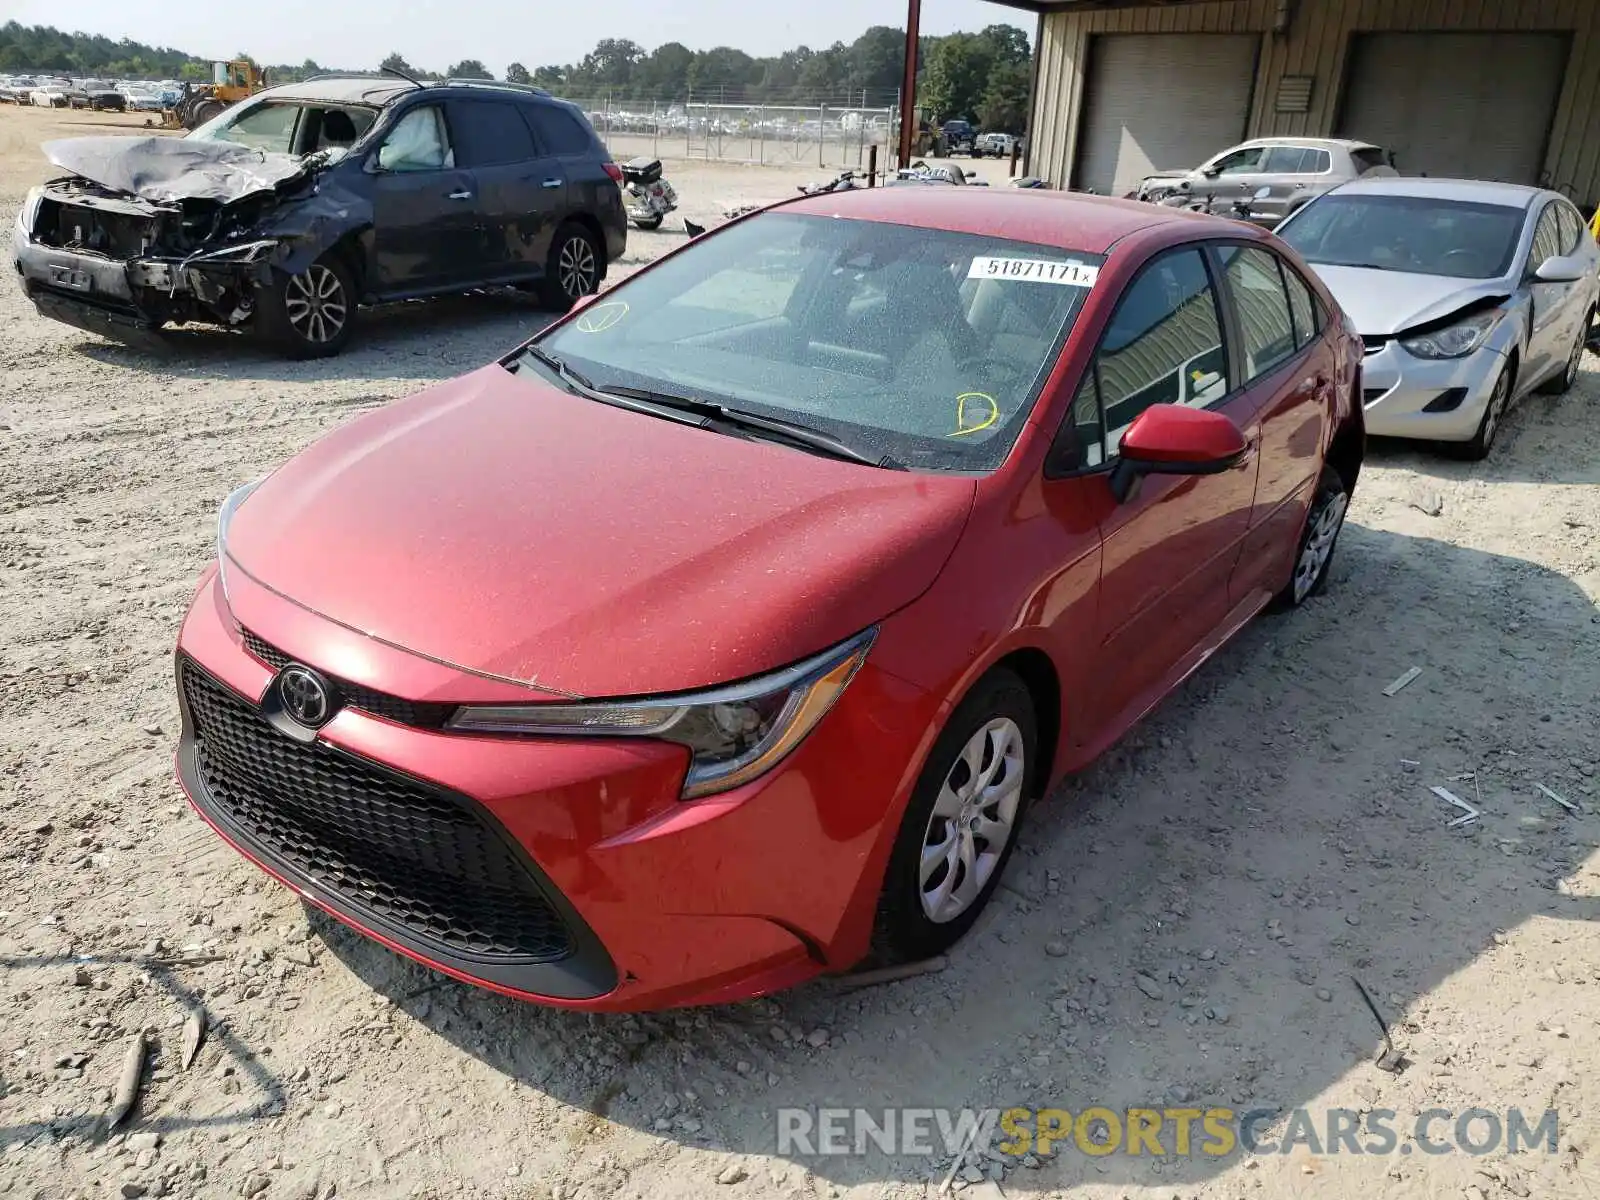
[281, 128]
[923, 346]
[1417, 235]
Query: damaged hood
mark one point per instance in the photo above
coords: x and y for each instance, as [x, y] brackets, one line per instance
[1382, 303]
[165, 170]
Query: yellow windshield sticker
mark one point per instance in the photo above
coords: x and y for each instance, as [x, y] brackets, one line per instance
[975, 411]
[598, 318]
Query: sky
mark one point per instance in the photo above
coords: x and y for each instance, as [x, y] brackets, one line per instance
[433, 34]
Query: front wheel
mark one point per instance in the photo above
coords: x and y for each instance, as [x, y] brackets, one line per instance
[1478, 447]
[311, 314]
[572, 270]
[960, 827]
[1314, 556]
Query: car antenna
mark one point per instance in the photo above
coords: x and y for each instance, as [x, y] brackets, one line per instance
[411, 79]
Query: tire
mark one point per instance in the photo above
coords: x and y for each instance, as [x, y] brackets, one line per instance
[1560, 385]
[309, 315]
[1313, 556]
[1477, 449]
[648, 223]
[201, 111]
[566, 277]
[912, 925]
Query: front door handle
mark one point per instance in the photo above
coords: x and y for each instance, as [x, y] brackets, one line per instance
[553, 183]
[460, 196]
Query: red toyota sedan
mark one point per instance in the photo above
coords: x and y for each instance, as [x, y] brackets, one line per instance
[721, 635]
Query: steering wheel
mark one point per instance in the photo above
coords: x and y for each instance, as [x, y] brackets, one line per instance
[1008, 367]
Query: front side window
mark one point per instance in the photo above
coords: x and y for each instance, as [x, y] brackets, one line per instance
[1240, 162]
[1546, 237]
[1420, 235]
[1259, 298]
[926, 346]
[1163, 346]
[1571, 228]
[419, 142]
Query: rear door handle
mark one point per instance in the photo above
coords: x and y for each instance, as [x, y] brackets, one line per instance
[460, 196]
[553, 183]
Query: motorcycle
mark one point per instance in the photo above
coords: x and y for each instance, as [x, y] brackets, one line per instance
[1240, 208]
[650, 196]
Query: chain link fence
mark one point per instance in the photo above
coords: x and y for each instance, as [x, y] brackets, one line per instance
[786, 134]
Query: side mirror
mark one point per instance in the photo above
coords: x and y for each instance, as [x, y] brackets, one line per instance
[1559, 269]
[1170, 439]
[1211, 172]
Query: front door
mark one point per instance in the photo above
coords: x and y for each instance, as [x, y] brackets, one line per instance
[1558, 308]
[1169, 549]
[1233, 176]
[426, 227]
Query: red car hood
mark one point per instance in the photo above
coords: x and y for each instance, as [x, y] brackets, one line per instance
[511, 529]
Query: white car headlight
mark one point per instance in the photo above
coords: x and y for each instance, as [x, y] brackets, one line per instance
[733, 734]
[1455, 341]
[29, 212]
[224, 518]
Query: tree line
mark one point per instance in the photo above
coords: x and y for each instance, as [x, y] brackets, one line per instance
[981, 77]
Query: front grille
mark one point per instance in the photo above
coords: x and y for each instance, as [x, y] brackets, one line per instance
[389, 846]
[420, 713]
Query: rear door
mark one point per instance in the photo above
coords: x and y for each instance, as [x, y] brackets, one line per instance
[1288, 372]
[521, 190]
[1290, 172]
[1169, 549]
[426, 234]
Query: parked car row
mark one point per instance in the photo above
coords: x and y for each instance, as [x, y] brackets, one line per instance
[54, 92]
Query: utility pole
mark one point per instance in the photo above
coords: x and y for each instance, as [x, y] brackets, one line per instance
[908, 88]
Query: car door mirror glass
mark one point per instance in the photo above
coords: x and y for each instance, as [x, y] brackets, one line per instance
[1559, 268]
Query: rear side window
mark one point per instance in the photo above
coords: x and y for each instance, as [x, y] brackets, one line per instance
[559, 132]
[1256, 284]
[489, 133]
[1296, 160]
[1302, 306]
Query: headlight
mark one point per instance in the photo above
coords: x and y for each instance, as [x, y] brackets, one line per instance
[1456, 341]
[224, 519]
[733, 734]
[29, 212]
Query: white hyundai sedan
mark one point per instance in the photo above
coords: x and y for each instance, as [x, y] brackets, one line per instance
[1468, 296]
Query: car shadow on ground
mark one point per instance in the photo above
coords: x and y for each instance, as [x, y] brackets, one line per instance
[1311, 843]
[420, 339]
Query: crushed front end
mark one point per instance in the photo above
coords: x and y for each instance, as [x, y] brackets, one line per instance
[119, 264]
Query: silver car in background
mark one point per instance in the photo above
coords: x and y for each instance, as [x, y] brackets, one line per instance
[1467, 295]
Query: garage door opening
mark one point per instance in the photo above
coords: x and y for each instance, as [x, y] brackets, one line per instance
[1161, 102]
[1466, 105]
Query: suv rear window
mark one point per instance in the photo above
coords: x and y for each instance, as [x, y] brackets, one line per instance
[489, 133]
[558, 130]
[1369, 158]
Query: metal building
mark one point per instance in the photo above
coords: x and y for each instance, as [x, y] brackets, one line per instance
[1493, 89]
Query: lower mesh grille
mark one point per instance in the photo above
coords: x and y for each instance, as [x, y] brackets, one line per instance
[389, 846]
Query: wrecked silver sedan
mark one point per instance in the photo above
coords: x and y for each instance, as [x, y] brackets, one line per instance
[286, 212]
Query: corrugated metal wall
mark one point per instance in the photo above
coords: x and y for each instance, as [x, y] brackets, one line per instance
[1317, 45]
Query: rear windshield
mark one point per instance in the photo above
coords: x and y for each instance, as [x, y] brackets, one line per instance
[1417, 235]
[926, 346]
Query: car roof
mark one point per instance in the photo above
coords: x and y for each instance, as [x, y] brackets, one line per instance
[1065, 220]
[1482, 191]
[1314, 143]
[381, 89]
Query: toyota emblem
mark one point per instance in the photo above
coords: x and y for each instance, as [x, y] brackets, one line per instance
[305, 697]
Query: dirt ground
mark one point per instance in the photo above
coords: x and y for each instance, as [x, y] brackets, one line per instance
[1263, 837]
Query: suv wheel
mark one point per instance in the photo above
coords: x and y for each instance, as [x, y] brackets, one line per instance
[312, 314]
[573, 269]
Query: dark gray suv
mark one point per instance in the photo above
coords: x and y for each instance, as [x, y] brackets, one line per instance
[286, 211]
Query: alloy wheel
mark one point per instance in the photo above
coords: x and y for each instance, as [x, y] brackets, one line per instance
[316, 305]
[1496, 409]
[577, 268]
[1321, 534]
[972, 820]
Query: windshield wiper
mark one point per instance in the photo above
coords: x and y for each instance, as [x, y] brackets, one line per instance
[581, 385]
[807, 435]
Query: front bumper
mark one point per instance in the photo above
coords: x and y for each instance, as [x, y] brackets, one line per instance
[1440, 400]
[658, 902]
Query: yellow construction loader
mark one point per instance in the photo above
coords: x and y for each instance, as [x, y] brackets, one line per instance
[230, 83]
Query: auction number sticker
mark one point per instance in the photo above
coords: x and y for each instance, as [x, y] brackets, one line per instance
[1034, 270]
